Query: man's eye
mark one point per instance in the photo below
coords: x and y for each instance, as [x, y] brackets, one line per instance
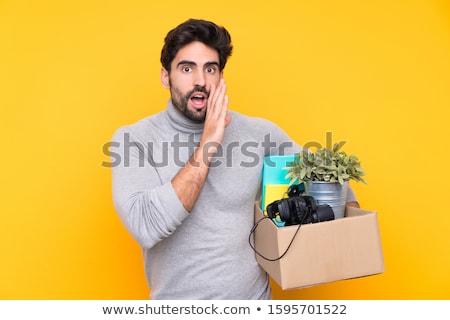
[187, 69]
[210, 69]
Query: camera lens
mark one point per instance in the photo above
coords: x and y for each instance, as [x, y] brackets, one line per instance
[299, 210]
[323, 213]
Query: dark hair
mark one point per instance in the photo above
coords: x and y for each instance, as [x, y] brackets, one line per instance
[191, 30]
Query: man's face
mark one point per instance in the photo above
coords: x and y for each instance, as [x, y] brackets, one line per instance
[193, 70]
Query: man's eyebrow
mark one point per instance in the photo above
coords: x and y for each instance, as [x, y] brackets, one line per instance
[192, 63]
[186, 62]
[212, 63]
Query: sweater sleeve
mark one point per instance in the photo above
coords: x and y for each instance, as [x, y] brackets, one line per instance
[149, 208]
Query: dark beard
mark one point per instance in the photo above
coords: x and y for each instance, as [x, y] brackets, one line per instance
[181, 103]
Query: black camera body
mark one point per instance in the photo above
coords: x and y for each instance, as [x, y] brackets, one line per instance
[299, 209]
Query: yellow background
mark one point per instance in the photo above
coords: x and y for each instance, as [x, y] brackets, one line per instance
[375, 73]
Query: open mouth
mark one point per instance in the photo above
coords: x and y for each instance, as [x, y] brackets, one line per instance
[199, 100]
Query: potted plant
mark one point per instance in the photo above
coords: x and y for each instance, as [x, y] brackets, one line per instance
[326, 174]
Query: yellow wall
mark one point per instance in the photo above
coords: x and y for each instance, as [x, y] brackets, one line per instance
[375, 73]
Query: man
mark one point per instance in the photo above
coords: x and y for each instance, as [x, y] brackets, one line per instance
[190, 175]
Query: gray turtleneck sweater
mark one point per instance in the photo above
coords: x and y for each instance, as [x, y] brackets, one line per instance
[203, 254]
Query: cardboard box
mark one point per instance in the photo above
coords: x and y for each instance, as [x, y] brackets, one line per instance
[322, 252]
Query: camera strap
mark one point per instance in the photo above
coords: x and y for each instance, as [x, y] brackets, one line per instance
[259, 254]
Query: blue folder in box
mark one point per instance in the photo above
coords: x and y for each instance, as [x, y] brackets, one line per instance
[274, 183]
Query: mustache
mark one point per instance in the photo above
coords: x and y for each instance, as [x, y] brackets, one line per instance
[197, 89]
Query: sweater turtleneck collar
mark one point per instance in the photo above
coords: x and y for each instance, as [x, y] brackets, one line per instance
[180, 123]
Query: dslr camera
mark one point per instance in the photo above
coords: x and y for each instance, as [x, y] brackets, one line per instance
[299, 209]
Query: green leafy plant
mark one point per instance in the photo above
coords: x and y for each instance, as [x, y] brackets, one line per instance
[325, 165]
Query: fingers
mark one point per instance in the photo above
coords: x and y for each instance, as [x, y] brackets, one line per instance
[217, 94]
[216, 118]
[218, 101]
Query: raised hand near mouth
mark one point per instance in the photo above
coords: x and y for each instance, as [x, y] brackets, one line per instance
[190, 179]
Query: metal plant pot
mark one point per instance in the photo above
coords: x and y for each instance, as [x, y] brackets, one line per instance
[332, 193]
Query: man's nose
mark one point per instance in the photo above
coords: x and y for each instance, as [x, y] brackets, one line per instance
[200, 79]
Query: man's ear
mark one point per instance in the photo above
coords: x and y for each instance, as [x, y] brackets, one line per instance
[165, 78]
